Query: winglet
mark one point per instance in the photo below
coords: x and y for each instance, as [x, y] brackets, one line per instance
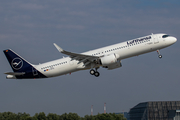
[58, 48]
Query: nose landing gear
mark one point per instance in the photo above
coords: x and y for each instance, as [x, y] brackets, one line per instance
[159, 55]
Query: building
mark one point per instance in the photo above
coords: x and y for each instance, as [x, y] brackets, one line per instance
[161, 110]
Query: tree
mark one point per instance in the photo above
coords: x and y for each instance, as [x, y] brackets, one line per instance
[70, 116]
[110, 116]
[40, 116]
[52, 116]
[23, 116]
[8, 116]
[65, 116]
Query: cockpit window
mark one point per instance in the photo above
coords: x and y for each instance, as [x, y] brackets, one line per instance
[165, 36]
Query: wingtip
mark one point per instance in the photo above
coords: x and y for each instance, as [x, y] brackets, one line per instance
[58, 48]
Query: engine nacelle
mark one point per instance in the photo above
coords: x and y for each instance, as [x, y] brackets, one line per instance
[115, 65]
[109, 59]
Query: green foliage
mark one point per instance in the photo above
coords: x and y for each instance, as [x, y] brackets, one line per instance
[110, 116]
[65, 116]
[52, 116]
[70, 116]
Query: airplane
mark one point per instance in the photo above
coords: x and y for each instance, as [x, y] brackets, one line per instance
[107, 57]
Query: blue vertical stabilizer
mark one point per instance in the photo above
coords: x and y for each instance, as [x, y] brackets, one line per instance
[20, 65]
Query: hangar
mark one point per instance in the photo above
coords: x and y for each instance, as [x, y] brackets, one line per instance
[160, 110]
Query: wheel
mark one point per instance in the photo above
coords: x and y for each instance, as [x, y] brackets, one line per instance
[92, 72]
[160, 56]
[96, 74]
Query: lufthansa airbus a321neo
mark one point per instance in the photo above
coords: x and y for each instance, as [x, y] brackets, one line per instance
[107, 57]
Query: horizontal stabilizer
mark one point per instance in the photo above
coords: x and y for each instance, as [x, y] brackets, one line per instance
[15, 73]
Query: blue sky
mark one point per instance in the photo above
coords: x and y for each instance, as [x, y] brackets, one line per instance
[31, 27]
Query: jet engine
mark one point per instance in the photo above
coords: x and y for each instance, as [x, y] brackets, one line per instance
[110, 61]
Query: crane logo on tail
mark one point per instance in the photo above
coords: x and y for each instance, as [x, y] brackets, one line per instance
[17, 63]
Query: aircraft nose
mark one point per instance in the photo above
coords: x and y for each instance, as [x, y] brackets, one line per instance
[172, 40]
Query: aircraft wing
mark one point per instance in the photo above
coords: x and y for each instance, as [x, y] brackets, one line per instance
[80, 57]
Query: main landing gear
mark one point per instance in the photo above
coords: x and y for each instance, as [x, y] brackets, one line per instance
[159, 55]
[94, 72]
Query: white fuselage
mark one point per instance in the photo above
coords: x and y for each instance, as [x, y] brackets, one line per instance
[123, 50]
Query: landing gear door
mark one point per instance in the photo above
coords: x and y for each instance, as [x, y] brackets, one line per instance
[34, 71]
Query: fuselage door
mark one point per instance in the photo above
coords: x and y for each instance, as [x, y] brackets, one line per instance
[155, 39]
